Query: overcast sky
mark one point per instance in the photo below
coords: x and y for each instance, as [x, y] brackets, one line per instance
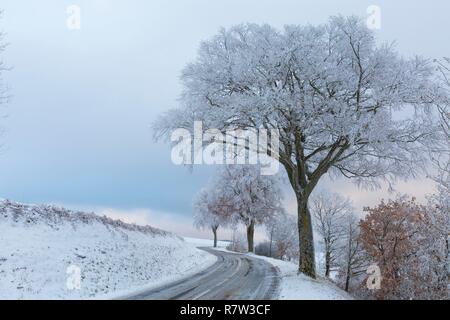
[78, 126]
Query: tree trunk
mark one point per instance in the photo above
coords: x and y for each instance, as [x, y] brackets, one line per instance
[447, 257]
[347, 281]
[270, 245]
[250, 234]
[214, 230]
[306, 240]
[327, 263]
[349, 260]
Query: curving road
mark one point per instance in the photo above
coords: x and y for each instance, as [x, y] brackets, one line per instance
[232, 277]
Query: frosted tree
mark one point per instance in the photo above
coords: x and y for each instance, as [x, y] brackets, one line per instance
[409, 242]
[334, 95]
[442, 158]
[437, 223]
[210, 211]
[283, 237]
[330, 213]
[253, 198]
[434, 266]
[444, 109]
[352, 261]
[396, 237]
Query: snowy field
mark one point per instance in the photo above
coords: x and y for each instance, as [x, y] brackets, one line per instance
[300, 287]
[206, 242]
[45, 251]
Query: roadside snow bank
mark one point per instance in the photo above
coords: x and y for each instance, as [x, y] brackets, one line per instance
[45, 250]
[295, 286]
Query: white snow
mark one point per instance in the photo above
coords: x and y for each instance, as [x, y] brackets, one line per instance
[206, 242]
[296, 286]
[42, 248]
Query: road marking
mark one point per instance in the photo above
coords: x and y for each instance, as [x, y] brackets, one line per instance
[233, 263]
[220, 283]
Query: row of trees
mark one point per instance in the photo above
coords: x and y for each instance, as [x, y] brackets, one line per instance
[333, 94]
[238, 194]
[409, 242]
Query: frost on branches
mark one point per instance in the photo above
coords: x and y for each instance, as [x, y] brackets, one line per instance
[404, 239]
[253, 197]
[353, 261]
[210, 211]
[331, 91]
[239, 194]
[330, 212]
[439, 203]
[283, 237]
[338, 228]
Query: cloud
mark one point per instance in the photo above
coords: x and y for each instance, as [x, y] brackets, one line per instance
[179, 224]
[137, 216]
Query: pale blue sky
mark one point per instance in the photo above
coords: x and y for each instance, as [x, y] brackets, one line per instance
[77, 131]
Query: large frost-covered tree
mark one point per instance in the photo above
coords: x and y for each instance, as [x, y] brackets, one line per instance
[336, 97]
[238, 194]
[253, 198]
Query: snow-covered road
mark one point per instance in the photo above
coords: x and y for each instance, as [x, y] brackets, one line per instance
[232, 277]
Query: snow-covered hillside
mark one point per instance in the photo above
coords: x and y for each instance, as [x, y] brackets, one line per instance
[44, 250]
